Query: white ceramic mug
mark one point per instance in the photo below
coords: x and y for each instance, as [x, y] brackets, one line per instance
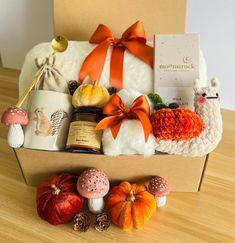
[49, 114]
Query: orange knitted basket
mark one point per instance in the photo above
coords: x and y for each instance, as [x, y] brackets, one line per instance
[176, 124]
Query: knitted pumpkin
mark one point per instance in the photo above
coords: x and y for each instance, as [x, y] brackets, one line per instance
[176, 124]
[58, 200]
[90, 95]
[130, 205]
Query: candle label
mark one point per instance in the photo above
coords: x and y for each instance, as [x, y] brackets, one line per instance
[83, 133]
[176, 66]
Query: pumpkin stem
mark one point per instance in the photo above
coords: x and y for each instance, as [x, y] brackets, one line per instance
[130, 196]
[55, 189]
[95, 83]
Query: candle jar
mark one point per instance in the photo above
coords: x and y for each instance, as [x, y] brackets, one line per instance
[82, 136]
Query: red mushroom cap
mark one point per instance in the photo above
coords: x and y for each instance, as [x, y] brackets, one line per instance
[93, 183]
[158, 186]
[15, 115]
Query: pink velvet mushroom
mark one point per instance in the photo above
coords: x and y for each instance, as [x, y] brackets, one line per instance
[93, 184]
[15, 117]
[159, 187]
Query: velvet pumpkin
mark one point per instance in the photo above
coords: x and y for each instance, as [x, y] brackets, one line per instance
[130, 205]
[58, 200]
[90, 95]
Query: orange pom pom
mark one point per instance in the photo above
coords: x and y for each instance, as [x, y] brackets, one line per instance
[176, 124]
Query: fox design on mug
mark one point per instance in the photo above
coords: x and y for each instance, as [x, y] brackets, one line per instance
[48, 126]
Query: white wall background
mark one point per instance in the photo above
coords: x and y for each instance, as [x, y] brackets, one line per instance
[24, 23]
[215, 21]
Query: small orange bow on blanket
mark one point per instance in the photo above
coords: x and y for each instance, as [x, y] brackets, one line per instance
[133, 39]
[117, 111]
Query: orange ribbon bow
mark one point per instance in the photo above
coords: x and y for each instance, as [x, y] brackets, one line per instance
[117, 111]
[133, 39]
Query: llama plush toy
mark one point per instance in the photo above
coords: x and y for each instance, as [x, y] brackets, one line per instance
[131, 137]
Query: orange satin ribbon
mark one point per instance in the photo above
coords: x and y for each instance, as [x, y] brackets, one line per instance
[133, 39]
[117, 111]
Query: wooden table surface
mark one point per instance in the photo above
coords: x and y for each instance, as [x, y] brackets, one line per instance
[207, 216]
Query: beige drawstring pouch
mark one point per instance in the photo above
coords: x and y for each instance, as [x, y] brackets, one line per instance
[50, 78]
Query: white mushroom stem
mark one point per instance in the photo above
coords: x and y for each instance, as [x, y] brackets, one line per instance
[15, 137]
[161, 201]
[96, 205]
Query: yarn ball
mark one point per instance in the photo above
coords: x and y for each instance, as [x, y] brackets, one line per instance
[58, 200]
[176, 124]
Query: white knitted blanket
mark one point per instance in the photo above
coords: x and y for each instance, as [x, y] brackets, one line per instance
[136, 74]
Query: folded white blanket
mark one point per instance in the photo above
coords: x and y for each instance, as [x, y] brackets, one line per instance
[136, 74]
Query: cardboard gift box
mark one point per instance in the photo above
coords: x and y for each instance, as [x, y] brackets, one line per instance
[183, 174]
[77, 20]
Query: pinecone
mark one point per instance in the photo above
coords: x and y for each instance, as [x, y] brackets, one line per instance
[81, 222]
[73, 85]
[103, 221]
[112, 90]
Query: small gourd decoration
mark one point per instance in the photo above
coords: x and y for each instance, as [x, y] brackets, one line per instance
[58, 200]
[130, 205]
[90, 95]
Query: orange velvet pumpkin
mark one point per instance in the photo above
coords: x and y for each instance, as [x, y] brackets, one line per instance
[130, 206]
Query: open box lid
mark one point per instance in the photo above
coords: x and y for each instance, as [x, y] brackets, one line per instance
[78, 19]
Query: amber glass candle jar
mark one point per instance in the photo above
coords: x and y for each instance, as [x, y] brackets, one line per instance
[82, 136]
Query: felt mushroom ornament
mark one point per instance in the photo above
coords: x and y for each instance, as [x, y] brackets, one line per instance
[93, 184]
[158, 186]
[15, 117]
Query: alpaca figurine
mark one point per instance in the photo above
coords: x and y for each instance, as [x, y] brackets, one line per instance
[130, 138]
[207, 106]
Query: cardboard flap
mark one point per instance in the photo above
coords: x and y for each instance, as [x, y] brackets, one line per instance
[78, 19]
